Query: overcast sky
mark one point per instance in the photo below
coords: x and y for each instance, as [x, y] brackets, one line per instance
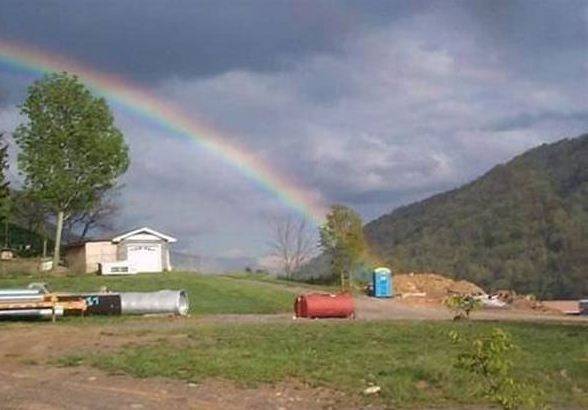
[372, 104]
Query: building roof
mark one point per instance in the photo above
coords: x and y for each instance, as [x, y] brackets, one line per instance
[85, 241]
[147, 230]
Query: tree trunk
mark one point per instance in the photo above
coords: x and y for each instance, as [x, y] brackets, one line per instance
[85, 230]
[57, 240]
[44, 246]
[349, 281]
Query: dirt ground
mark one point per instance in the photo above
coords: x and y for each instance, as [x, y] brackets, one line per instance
[427, 309]
[42, 387]
[29, 381]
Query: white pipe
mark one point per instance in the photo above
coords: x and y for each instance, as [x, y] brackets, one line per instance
[8, 292]
[21, 298]
[30, 313]
[165, 301]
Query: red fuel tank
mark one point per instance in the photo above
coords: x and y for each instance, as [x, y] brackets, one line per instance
[323, 305]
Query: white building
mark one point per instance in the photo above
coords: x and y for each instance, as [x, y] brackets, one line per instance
[137, 251]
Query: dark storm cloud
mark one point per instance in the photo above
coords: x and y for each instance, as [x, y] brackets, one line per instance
[374, 104]
[406, 109]
[526, 120]
[148, 39]
[545, 39]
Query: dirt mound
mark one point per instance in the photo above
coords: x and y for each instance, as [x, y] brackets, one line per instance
[522, 302]
[433, 285]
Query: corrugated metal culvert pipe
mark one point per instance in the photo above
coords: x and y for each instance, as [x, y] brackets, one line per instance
[164, 301]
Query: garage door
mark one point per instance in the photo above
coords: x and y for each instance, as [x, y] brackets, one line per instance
[145, 257]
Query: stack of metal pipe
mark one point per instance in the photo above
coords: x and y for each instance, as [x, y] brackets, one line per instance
[18, 302]
[36, 302]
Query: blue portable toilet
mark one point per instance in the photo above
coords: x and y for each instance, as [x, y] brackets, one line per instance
[382, 283]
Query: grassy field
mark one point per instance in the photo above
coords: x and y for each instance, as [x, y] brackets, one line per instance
[412, 362]
[208, 294]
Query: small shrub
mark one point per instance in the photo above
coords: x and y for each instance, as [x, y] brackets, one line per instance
[462, 305]
[488, 358]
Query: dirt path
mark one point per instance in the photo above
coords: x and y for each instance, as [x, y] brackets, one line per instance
[397, 309]
[369, 308]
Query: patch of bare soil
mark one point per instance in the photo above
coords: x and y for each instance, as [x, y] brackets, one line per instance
[41, 342]
[433, 285]
[430, 290]
[524, 302]
[41, 387]
[369, 308]
[563, 305]
[28, 381]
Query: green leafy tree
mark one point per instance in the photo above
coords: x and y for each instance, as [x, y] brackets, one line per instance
[70, 148]
[341, 237]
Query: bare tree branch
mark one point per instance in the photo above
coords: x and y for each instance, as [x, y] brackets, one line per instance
[100, 216]
[292, 242]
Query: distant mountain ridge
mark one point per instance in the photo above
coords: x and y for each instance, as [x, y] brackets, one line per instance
[522, 226]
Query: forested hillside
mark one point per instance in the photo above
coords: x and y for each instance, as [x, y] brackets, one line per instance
[522, 226]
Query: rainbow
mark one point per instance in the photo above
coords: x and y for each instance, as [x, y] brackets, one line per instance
[172, 118]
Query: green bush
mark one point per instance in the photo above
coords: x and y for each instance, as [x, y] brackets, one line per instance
[462, 305]
[488, 358]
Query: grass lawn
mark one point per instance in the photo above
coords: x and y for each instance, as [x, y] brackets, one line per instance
[265, 278]
[412, 362]
[208, 294]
